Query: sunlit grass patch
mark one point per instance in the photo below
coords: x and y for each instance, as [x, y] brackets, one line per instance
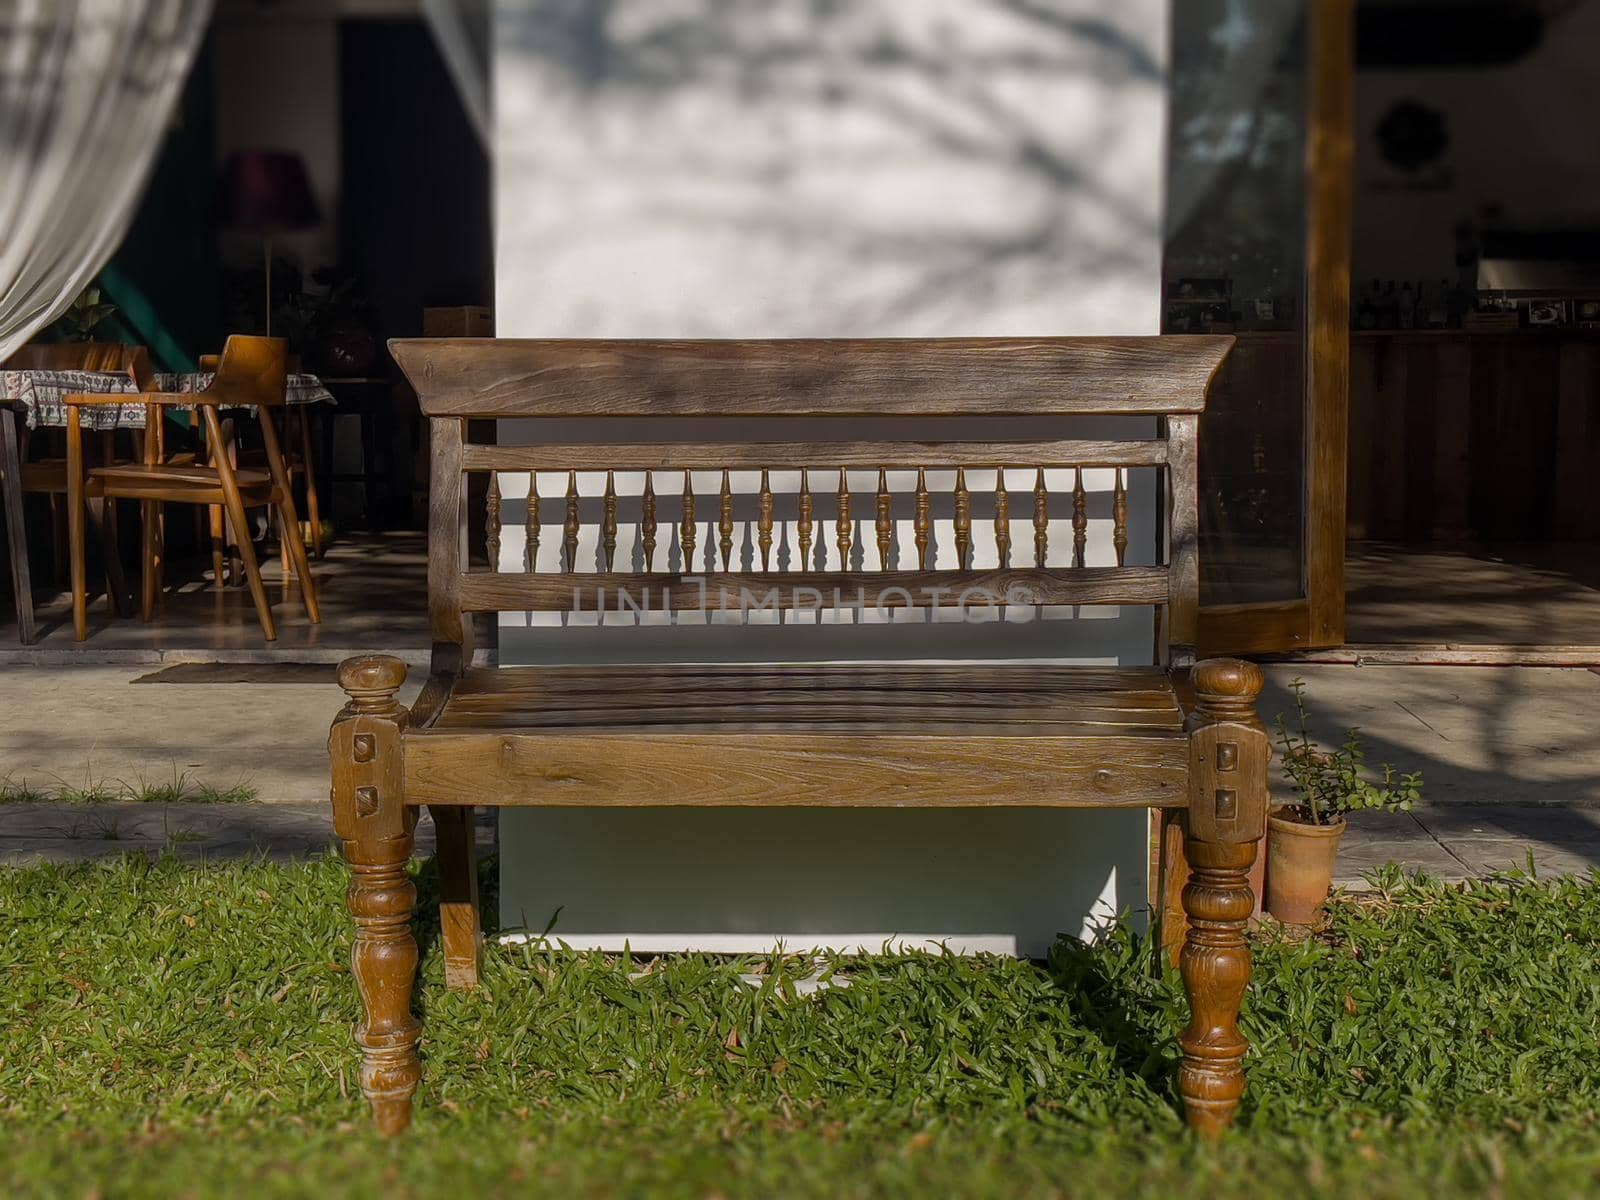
[171, 1028]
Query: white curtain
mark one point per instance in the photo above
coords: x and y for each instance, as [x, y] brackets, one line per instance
[87, 88]
[461, 27]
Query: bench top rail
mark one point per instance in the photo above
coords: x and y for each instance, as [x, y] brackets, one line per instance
[490, 378]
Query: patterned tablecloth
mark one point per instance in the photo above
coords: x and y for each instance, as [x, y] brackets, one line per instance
[42, 395]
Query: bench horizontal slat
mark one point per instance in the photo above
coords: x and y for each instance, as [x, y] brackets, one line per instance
[485, 591]
[956, 767]
[490, 378]
[821, 705]
[997, 676]
[778, 456]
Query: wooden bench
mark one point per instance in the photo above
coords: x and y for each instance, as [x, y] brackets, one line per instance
[883, 733]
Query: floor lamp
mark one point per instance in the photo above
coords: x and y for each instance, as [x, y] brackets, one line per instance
[266, 192]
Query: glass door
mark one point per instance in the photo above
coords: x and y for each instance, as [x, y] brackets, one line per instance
[1258, 244]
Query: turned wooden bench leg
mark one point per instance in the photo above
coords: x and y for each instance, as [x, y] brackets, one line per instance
[377, 829]
[1228, 752]
[460, 925]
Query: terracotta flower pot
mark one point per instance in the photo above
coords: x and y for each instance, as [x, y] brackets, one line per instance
[1300, 860]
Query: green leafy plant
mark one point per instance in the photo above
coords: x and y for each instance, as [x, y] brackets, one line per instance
[88, 310]
[1330, 783]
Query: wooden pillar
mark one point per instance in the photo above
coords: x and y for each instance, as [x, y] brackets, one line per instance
[376, 826]
[1228, 752]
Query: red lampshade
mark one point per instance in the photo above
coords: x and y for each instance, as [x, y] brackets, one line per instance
[266, 191]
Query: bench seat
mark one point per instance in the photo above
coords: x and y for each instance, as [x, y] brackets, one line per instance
[857, 735]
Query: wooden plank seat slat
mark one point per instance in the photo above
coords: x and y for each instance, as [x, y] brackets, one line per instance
[619, 698]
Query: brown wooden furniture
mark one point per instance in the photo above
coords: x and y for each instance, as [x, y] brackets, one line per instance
[895, 734]
[47, 475]
[249, 376]
[298, 461]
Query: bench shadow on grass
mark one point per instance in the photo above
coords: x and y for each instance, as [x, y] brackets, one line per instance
[1129, 1020]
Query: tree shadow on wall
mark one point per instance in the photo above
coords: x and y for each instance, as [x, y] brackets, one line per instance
[803, 122]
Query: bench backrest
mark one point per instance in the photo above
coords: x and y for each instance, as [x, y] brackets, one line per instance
[636, 384]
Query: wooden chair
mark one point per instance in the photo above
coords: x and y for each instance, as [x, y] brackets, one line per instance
[249, 376]
[47, 475]
[864, 734]
[298, 459]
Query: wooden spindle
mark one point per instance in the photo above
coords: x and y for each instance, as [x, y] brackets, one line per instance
[1119, 518]
[569, 542]
[885, 520]
[530, 525]
[963, 519]
[764, 523]
[647, 522]
[608, 529]
[1080, 519]
[923, 522]
[1002, 518]
[1041, 519]
[842, 523]
[725, 522]
[686, 525]
[804, 525]
[491, 521]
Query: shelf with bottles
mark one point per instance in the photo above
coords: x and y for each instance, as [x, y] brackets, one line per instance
[1405, 307]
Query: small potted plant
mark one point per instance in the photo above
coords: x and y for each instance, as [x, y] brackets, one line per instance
[88, 311]
[1303, 837]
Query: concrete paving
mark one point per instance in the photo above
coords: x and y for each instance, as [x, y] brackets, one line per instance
[124, 729]
[1509, 758]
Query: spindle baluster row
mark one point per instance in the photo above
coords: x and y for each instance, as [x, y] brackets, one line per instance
[883, 520]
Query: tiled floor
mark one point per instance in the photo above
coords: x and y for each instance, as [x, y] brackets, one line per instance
[1500, 593]
[372, 587]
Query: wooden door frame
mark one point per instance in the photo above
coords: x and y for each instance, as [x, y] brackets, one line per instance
[1317, 619]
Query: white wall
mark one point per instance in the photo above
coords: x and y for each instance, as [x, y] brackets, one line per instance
[1522, 139]
[710, 168]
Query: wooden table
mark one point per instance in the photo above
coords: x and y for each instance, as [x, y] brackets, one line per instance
[38, 397]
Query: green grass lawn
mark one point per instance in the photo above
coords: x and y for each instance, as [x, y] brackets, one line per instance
[171, 1029]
